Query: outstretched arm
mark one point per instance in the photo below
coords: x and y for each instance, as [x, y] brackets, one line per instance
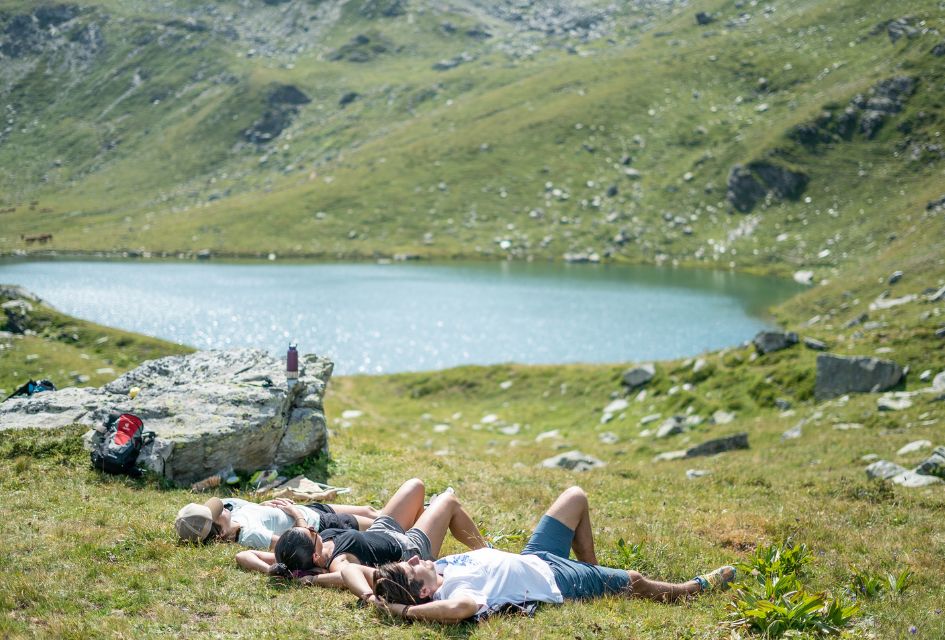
[452, 611]
[253, 560]
[359, 580]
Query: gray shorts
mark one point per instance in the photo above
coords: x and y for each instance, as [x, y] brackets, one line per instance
[413, 542]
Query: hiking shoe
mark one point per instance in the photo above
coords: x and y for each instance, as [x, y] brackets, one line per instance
[718, 579]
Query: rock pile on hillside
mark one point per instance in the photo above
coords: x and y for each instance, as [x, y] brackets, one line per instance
[209, 410]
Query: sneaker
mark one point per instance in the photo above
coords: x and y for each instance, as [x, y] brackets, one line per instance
[718, 579]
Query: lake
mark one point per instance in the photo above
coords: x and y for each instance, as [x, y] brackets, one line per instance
[383, 318]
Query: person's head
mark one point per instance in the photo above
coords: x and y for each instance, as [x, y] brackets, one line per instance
[411, 582]
[298, 551]
[200, 522]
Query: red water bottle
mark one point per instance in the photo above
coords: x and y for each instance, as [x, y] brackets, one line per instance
[292, 365]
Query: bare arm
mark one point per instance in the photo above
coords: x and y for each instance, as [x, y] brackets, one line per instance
[253, 560]
[453, 610]
[358, 579]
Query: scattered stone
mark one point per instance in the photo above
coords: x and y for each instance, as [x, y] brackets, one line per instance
[745, 190]
[699, 365]
[854, 321]
[703, 18]
[347, 98]
[671, 426]
[782, 404]
[938, 50]
[804, 277]
[938, 383]
[510, 430]
[441, 428]
[899, 28]
[722, 417]
[893, 403]
[209, 410]
[719, 445]
[670, 455]
[883, 302]
[815, 345]
[505, 385]
[847, 426]
[925, 376]
[895, 277]
[653, 417]
[489, 419]
[870, 457]
[769, 341]
[573, 461]
[912, 447]
[692, 474]
[837, 375]
[616, 406]
[351, 414]
[794, 432]
[913, 480]
[934, 465]
[548, 435]
[609, 437]
[639, 376]
[884, 470]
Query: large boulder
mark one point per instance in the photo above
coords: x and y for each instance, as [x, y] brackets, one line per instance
[209, 410]
[838, 375]
[719, 445]
[768, 341]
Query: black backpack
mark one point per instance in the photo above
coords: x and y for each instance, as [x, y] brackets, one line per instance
[118, 450]
[31, 387]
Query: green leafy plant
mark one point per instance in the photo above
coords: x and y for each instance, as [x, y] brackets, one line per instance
[776, 605]
[777, 560]
[864, 584]
[629, 554]
[898, 584]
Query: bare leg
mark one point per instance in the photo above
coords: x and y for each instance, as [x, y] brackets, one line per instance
[406, 505]
[364, 511]
[643, 587]
[448, 513]
[572, 510]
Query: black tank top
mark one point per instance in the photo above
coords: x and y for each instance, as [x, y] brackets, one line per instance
[371, 548]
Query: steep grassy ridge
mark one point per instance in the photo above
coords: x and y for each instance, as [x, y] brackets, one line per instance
[504, 155]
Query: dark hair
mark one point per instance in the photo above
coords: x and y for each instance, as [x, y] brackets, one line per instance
[294, 554]
[215, 534]
[392, 584]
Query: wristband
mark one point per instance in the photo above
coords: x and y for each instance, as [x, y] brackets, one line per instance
[403, 613]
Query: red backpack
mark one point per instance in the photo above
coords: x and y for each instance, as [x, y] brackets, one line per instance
[119, 448]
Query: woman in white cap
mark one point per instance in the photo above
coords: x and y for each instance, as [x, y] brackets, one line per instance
[259, 526]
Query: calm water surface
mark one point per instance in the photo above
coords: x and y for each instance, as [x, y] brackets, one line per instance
[373, 318]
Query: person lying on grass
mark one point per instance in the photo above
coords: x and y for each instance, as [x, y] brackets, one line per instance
[461, 586]
[403, 530]
[259, 525]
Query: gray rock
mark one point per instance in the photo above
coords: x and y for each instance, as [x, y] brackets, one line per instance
[692, 474]
[938, 50]
[670, 455]
[782, 404]
[912, 447]
[914, 480]
[934, 465]
[938, 382]
[815, 345]
[895, 277]
[884, 470]
[17, 316]
[769, 341]
[838, 375]
[722, 417]
[893, 403]
[639, 376]
[671, 426]
[703, 18]
[209, 410]
[719, 445]
[794, 432]
[573, 461]
[744, 192]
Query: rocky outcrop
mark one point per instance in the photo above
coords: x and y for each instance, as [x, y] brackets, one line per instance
[363, 47]
[283, 103]
[573, 461]
[209, 410]
[838, 375]
[865, 113]
[747, 186]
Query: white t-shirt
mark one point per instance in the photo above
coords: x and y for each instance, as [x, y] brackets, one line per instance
[258, 523]
[492, 577]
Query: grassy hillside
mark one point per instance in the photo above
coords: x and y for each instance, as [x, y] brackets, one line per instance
[520, 150]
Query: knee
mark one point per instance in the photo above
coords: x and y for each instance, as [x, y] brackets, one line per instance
[449, 501]
[576, 493]
[415, 485]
